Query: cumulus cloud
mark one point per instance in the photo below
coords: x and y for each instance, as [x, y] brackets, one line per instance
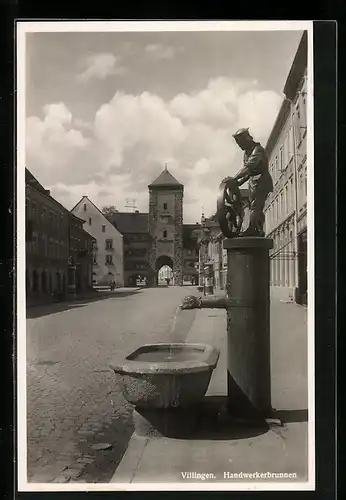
[100, 66]
[158, 51]
[134, 135]
[55, 150]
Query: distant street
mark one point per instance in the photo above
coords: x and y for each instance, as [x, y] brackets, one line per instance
[73, 399]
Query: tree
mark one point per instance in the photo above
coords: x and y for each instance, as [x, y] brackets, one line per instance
[109, 210]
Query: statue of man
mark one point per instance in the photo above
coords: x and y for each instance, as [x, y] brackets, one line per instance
[255, 171]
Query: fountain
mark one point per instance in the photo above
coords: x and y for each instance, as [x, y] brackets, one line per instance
[165, 382]
[247, 299]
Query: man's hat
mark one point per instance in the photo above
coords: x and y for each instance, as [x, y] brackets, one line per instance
[242, 132]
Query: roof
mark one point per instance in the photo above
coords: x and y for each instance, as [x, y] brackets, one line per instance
[74, 216]
[31, 180]
[33, 183]
[277, 127]
[298, 68]
[190, 230]
[84, 198]
[290, 89]
[165, 179]
[130, 222]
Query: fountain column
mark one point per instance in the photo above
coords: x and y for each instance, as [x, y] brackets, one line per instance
[248, 325]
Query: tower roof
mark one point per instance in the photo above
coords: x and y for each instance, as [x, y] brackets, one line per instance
[165, 179]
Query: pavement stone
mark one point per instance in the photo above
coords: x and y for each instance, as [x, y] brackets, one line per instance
[73, 397]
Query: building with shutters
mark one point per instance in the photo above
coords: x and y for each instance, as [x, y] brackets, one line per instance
[80, 263]
[47, 241]
[286, 207]
[107, 260]
[58, 249]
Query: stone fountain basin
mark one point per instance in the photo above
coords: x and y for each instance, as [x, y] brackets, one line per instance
[167, 375]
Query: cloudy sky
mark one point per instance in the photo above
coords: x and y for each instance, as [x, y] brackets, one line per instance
[105, 111]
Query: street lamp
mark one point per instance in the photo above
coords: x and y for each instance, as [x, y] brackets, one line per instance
[203, 254]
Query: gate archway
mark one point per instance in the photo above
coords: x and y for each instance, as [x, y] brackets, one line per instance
[164, 270]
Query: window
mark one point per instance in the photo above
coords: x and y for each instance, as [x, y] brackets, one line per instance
[89, 221]
[103, 228]
[165, 233]
[281, 162]
[276, 168]
[304, 114]
[286, 151]
[291, 193]
[109, 260]
[85, 209]
[27, 207]
[109, 244]
[94, 260]
[297, 123]
[50, 247]
[140, 266]
[301, 189]
[290, 144]
[33, 207]
[286, 199]
[165, 206]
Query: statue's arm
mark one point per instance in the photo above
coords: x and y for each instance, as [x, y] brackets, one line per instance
[242, 176]
[193, 302]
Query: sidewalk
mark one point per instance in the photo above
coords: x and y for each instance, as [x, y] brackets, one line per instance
[226, 451]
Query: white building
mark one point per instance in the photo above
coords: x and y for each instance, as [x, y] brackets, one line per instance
[108, 260]
[286, 208]
[165, 273]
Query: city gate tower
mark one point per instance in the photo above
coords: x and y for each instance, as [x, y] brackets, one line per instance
[166, 226]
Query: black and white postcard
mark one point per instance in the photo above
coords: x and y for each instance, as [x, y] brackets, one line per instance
[165, 232]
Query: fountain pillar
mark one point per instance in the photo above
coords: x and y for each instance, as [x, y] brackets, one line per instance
[248, 325]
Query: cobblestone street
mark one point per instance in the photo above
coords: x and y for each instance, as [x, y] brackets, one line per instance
[73, 400]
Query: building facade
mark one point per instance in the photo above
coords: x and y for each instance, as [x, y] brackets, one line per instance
[80, 263]
[166, 226]
[286, 207]
[47, 241]
[191, 234]
[137, 242]
[108, 261]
